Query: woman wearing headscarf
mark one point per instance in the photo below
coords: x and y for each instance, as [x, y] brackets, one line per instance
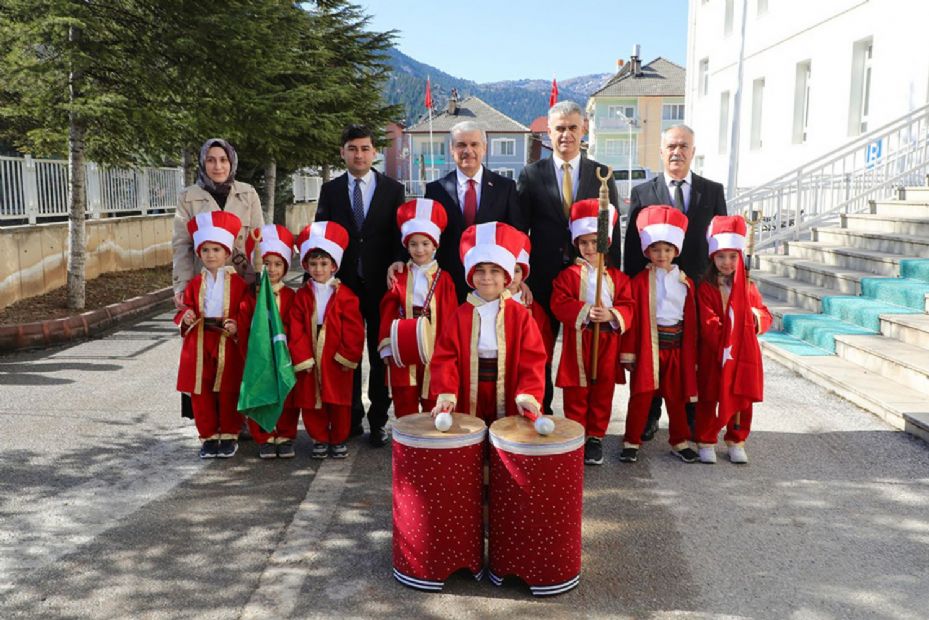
[216, 189]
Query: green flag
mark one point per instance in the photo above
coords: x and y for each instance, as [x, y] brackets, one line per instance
[269, 374]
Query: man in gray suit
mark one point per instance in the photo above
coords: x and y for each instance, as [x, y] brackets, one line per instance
[699, 198]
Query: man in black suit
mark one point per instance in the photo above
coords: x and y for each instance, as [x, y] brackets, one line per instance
[547, 189]
[365, 202]
[471, 194]
[696, 196]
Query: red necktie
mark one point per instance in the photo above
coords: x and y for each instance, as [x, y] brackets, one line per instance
[470, 205]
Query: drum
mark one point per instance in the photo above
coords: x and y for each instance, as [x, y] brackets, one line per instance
[409, 341]
[437, 485]
[536, 500]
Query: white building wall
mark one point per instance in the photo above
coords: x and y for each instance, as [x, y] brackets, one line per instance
[789, 32]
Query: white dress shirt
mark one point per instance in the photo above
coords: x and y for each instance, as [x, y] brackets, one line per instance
[670, 296]
[463, 186]
[688, 183]
[487, 339]
[419, 281]
[215, 289]
[322, 293]
[575, 164]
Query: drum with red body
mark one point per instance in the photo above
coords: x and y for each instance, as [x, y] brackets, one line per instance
[410, 341]
[437, 485]
[536, 500]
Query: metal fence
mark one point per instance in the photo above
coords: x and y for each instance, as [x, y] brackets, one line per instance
[37, 189]
[306, 187]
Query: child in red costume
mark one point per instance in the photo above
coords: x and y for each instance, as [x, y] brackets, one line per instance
[215, 306]
[422, 291]
[574, 303]
[520, 273]
[326, 334]
[661, 349]
[275, 245]
[497, 369]
[732, 315]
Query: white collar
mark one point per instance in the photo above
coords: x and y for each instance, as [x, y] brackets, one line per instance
[366, 179]
[574, 161]
[688, 180]
[463, 178]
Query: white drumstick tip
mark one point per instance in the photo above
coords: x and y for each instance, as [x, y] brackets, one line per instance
[443, 421]
[544, 425]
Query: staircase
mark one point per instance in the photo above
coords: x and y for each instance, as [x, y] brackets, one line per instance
[851, 307]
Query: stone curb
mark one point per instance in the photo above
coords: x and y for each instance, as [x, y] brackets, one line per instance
[85, 325]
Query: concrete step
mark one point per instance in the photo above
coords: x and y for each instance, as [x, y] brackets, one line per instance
[899, 208]
[868, 222]
[898, 361]
[839, 279]
[856, 259]
[779, 308]
[897, 404]
[918, 194]
[913, 246]
[911, 329]
[800, 294]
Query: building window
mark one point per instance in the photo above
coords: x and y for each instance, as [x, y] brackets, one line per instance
[860, 99]
[672, 112]
[703, 77]
[620, 111]
[728, 19]
[802, 101]
[437, 147]
[761, 7]
[757, 102]
[503, 146]
[505, 172]
[621, 150]
[724, 122]
[698, 164]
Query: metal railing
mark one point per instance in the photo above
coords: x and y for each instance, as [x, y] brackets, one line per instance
[870, 167]
[306, 187]
[34, 189]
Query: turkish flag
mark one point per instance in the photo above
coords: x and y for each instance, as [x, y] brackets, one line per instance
[742, 375]
[428, 94]
[553, 98]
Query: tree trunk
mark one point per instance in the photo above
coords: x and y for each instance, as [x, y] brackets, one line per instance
[326, 172]
[77, 199]
[270, 187]
[189, 164]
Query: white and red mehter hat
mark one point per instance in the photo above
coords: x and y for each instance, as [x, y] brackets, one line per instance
[726, 232]
[584, 218]
[421, 217]
[661, 223]
[522, 259]
[491, 242]
[330, 237]
[272, 239]
[216, 227]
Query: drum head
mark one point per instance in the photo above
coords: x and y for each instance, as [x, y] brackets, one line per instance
[519, 430]
[422, 425]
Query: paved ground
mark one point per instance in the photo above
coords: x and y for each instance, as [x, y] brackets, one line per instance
[106, 512]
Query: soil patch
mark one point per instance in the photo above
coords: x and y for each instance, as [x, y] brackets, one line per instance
[109, 288]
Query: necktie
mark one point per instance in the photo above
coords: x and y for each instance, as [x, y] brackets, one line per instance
[358, 205]
[470, 205]
[679, 196]
[567, 190]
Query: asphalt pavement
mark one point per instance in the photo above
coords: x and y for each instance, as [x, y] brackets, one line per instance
[106, 512]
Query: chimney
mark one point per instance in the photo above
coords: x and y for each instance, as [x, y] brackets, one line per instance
[636, 63]
[453, 103]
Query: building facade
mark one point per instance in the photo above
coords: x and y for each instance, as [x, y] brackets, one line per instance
[627, 115]
[507, 141]
[814, 76]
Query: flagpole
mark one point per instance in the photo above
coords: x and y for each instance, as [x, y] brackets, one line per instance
[431, 144]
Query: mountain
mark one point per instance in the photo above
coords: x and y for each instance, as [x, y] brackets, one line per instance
[522, 100]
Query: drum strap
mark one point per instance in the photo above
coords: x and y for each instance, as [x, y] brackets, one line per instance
[428, 299]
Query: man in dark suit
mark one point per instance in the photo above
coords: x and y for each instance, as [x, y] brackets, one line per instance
[547, 189]
[699, 198]
[365, 202]
[471, 194]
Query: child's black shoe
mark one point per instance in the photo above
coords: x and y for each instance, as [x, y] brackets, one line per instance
[267, 451]
[285, 450]
[338, 451]
[320, 451]
[227, 448]
[209, 449]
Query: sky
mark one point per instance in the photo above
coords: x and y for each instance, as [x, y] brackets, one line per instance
[491, 40]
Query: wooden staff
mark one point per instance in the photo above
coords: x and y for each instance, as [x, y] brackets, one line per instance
[603, 236]
[749, 252]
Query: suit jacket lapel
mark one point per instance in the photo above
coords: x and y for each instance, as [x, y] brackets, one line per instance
[551, 184]
[587, 182]
[661, 191]
[376, 198]
[696, 191]
[450, 184]
[488, 187]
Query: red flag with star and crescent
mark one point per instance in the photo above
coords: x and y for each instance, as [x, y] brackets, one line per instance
[553, 97]
[742, 375]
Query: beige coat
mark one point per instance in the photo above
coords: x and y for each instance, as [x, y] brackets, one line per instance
[242, 201]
